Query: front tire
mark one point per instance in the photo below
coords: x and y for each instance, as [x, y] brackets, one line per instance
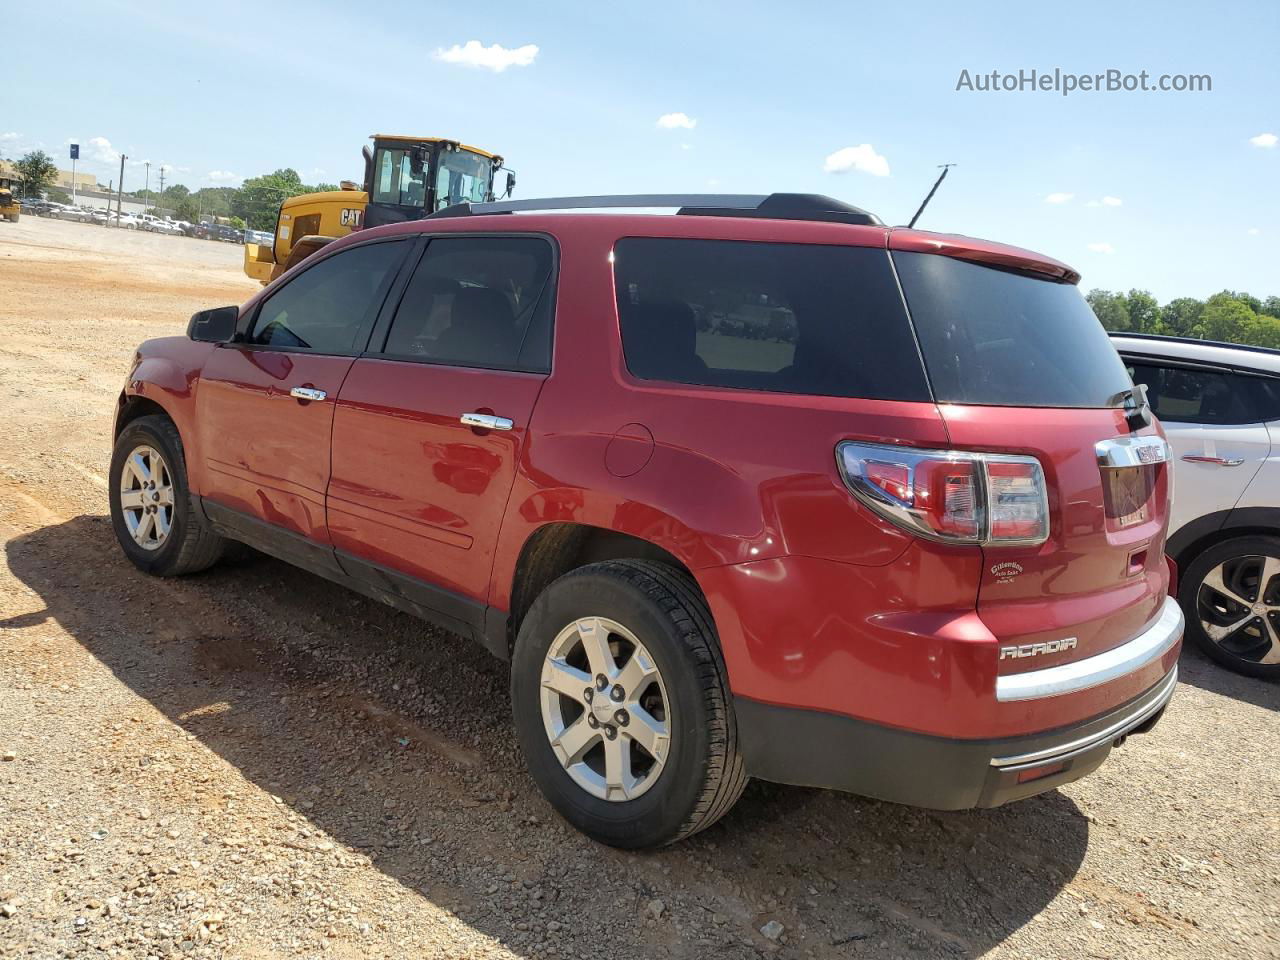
[1230, 596]
[622, 704]
[157, 521]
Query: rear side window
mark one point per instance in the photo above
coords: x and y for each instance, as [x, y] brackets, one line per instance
[1185, 395]
[778, 317]
[478, 302]
[1003, 339]
[326, 305]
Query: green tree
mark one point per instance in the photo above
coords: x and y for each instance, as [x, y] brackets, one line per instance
[322, 188]
[186, 209]
[259, 198]
[57, 195]
[1226, 318]
[1261, 331]
[1110, 308]
[1144, 312]
[1271, 306]
[1181, 317]
[38, 172]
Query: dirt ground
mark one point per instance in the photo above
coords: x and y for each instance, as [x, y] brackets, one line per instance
[254, 764]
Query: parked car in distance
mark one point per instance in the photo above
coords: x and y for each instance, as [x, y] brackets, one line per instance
[1219, 404]
[166, 226]
[260, 237]
[761, 489]
[68, 212]
[124, 221]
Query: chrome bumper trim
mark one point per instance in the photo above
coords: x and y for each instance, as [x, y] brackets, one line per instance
[1151, 644]
[1148, 706]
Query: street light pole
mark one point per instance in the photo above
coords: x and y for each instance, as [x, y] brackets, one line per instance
[147, 188]
[119, 190]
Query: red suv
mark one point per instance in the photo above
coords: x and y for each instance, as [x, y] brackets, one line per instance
[760, 489]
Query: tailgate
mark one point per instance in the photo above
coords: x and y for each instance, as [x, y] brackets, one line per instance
[1101, 577]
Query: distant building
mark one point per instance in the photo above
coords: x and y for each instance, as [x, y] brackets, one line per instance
[83, 181]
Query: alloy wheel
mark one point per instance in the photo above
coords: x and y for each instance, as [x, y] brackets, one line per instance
[605, 709]
[146, 497]
[1239, 607]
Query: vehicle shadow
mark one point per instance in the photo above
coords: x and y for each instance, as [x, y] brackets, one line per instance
[395, 740]
[1199, 671]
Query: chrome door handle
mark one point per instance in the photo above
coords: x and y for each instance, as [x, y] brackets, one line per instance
[1216, 461]
[307, 393]
[486, 421]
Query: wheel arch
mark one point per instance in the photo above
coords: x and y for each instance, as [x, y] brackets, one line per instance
[1214, 528]
[556, 548]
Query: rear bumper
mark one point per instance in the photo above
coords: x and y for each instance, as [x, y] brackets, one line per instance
[816, 749]
[1157, 639]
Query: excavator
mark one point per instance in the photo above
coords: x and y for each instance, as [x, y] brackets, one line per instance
[405, 178]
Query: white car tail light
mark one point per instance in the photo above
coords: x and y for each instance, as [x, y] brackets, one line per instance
[953, 496]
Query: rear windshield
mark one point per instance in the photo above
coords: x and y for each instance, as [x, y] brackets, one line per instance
[785, 318]
[998, 338]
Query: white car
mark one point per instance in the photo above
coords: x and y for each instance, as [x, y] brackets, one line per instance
[1219, 404]
[169, 227]
[125, 221]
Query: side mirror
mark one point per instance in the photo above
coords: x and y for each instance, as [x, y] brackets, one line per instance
[511, 182]
[214, 326]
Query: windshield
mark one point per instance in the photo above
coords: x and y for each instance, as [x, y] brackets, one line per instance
[462, 177]
[997, 338]
[394, 180]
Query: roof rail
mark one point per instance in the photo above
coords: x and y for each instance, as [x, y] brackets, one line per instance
[774, 206]
[1167, 338]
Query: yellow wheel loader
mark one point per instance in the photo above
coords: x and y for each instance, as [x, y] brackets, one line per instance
[9, 206]
[405, 178]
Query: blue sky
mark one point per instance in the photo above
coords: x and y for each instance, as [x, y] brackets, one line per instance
[229, 89]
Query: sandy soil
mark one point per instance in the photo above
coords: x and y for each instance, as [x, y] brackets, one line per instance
[250, 763]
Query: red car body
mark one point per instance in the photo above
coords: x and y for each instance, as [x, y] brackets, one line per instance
[832, 621]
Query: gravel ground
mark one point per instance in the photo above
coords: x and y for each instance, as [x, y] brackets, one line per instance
[252, 764]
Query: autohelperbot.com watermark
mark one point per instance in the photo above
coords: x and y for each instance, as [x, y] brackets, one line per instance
[1065, 83]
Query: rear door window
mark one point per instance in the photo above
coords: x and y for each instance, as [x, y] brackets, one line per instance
[993, 337]
[777, 317]
[1187, 395]
[478, 302]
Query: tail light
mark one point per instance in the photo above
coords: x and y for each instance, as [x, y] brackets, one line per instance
[953, 496]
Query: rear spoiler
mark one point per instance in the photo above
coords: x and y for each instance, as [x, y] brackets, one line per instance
[984, 252]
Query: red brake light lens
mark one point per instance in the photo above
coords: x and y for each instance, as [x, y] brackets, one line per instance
[952, 496]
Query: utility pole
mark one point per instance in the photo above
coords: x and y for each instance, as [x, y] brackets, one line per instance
[147, 189]
[162, 181]
[119, 190]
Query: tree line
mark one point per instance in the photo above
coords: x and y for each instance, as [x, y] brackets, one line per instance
[254, 203]
[1229, 316]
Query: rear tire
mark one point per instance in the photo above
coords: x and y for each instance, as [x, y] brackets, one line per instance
[1232, 591]
[651, 609]
[157, 521]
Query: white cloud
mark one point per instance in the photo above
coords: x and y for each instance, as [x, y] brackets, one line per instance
[686, 146]
[1102, 248]
[1254, 231]
[223, 176]
[677, 121]
[494, 57]
[862, 158]
[1105, 202]
[8, 137]
[100, 149]
[1059, 198]
[1265, 140]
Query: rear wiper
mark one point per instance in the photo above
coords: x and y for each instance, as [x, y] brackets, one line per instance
[1137, 411]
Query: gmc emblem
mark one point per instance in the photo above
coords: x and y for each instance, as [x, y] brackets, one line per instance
[1035, 649]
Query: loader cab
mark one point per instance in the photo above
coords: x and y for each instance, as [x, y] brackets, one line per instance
[407, 178]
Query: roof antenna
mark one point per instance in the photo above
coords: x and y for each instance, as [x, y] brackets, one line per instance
[936, 184]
